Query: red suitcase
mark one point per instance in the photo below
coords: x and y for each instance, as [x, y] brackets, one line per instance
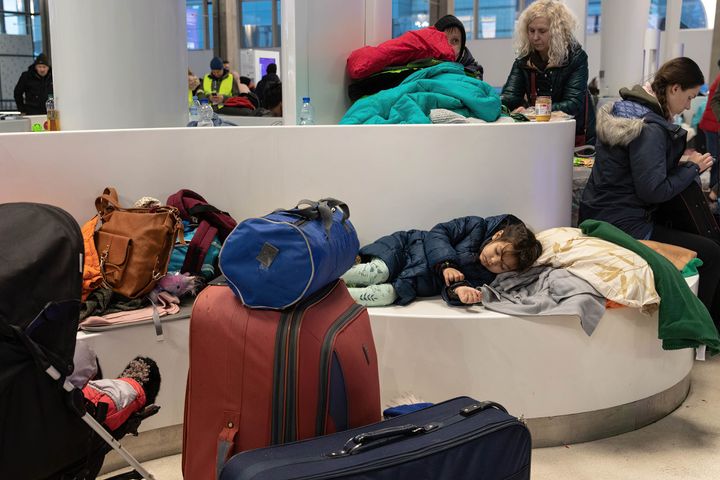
[263, 377]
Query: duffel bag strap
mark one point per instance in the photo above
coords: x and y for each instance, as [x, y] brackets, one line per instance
[323, 210]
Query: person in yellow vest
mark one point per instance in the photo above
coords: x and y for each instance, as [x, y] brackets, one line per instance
[194, 88]
[218, 85]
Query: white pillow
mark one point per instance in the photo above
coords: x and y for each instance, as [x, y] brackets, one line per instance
[617, 273]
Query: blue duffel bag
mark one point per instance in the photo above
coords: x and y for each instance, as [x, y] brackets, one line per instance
[277, 260]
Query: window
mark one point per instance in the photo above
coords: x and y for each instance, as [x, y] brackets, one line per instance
[409, 15]
[257, 23]
[465, 12]
[693, 15]
[199, 24]
[496, 18]
[14, 5]
[14, 18]
[593, 16]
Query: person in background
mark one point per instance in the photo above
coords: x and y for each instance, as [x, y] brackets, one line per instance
[248, 82]
[193, 86]
[594, 91]
[637, 167]
[269, 77]
[552, 63]
[235, 74]
[273, 99]
[218, 85]
[455, 32]
[34, 86]
[710, 125]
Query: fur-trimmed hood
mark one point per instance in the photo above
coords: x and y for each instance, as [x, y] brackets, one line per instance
[616, 131]
[621, 122]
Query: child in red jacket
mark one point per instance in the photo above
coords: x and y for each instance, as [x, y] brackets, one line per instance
[137, 386]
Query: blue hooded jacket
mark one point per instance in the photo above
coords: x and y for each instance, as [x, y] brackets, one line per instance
[412, 255]
[636, 164]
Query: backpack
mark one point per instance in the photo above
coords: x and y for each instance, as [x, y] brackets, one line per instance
[211, 222]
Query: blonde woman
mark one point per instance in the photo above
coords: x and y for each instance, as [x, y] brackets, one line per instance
[551, 62]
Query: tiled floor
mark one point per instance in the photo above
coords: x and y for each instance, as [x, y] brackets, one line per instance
[684, 445]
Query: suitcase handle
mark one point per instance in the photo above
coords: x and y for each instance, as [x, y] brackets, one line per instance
[367, 440]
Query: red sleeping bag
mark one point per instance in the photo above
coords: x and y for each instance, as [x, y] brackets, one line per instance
[413, 45]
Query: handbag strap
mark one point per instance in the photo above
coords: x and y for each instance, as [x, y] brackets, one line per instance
[533, 88]
[107, 202]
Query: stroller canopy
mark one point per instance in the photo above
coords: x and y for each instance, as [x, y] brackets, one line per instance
[41, 260]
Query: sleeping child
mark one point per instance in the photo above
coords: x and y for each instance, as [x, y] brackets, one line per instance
[453, 259]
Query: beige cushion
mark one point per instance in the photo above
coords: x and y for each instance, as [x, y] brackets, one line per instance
[617, 273]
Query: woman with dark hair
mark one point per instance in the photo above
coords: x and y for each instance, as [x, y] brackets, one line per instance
[637, 167]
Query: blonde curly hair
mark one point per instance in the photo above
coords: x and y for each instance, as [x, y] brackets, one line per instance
[562, 25]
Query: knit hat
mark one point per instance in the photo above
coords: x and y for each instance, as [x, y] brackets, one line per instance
[144, 371]
[452, 21]
[216, 64]
[42, 60]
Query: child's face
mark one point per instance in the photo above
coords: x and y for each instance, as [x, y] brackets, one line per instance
[454, 38]
[492, 258]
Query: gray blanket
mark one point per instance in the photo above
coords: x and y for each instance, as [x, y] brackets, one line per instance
[545, 290]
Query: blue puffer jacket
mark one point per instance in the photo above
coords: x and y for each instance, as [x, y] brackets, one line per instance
[636, 164]
[412, 255]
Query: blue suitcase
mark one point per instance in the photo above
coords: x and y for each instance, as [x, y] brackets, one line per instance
[460, 439]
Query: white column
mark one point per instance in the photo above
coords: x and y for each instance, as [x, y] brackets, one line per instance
[623, 37]
[378, 21]
[671, 45]
[119, 63]
[231, 31]
[289, 60]
[579, 9]
[318, 36]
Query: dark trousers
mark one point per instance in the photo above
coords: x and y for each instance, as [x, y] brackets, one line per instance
[709, 252]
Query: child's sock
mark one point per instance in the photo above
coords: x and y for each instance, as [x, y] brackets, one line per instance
[363, 274]
[374, 295]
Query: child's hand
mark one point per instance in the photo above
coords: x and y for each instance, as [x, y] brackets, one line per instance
[468, 295]
[452, 275]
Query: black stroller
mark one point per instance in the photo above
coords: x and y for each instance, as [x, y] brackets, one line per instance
[46, 428]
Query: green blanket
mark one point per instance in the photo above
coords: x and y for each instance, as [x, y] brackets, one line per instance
[683, 320]
[442, 86]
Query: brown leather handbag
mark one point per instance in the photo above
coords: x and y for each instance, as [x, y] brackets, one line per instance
[134, 244]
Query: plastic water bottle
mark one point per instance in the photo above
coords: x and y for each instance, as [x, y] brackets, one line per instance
[307, 114]
[195, 109]
[206, 114]
[53, 116]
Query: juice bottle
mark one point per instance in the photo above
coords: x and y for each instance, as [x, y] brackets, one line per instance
[53, 115]
[543, 109]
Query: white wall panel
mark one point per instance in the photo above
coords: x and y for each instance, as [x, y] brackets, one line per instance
[119, 63]
[393, 177]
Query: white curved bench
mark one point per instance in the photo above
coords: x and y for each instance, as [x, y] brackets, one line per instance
[568, 386]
